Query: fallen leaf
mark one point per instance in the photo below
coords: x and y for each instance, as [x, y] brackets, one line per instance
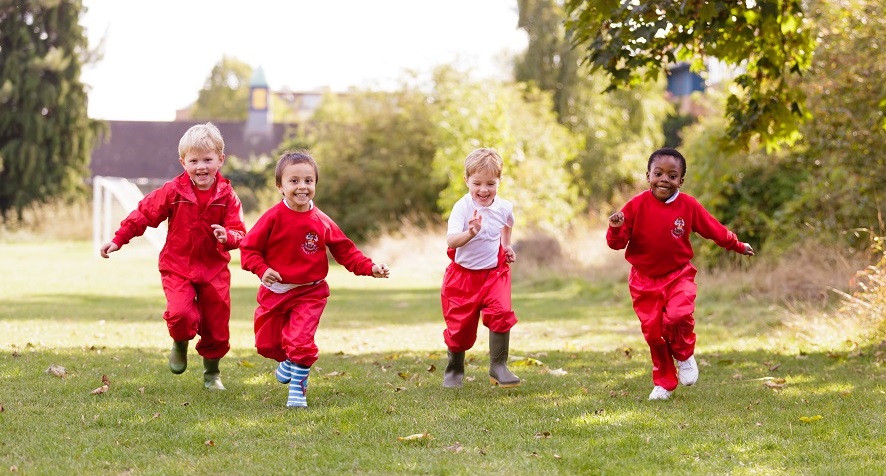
[557, 372]
[335, 374]
[57, 370]
[156, 416]
[773, 384]
[456, 448]
[417, 436]
[470, 379]
[245, 363]
[1, 408]
[543, 434]
[106, 380]
[209, 443]
[404, 375]
[100, 390]
[774, 367]
[141, 390]
[527, 361]
[809, 419]
[432, 368]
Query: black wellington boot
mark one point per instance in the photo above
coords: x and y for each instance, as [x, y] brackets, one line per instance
[498, 359]
[178, 357]
[211, 379]
[455, 370]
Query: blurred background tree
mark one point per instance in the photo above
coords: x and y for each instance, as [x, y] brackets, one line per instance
[224, 93]
[46, 137]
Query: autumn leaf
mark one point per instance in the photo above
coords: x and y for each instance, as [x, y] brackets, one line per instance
[100, 390]
[810, 419]
[209, 443]
[557, 372]
[106, 380]
[417, 436]
[432, 368]
[334, 374]
[456, 448]
[542, 434]
[1, 408]
[404, 375]
[57, 370]
[526, 361]
[245, 363]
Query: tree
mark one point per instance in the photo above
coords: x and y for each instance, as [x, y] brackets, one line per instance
[225, 92]
[633, 41]
[46, 137]
[619, 129]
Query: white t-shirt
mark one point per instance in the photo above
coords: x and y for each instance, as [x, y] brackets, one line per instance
[482, 251]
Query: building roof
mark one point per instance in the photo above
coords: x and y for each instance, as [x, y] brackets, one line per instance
[141, 149]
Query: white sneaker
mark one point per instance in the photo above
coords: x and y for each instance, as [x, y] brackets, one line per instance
[659, 393]
[687, 371]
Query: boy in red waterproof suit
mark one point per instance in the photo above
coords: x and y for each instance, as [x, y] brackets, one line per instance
[205, 222]
[655, 227]
[478, 280]
[287, 249]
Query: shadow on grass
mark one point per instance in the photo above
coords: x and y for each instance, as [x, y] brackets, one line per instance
[594, 418]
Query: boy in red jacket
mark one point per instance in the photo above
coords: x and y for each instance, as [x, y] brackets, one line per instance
[287, 249]
[655, 227]
[205, 222]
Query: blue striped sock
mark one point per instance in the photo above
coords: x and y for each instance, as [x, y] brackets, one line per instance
[284, 372]
[298, 386]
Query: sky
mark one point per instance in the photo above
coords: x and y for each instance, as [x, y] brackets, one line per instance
[157, 55]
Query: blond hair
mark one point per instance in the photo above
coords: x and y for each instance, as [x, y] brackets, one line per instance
[483, 159]
[202, 138]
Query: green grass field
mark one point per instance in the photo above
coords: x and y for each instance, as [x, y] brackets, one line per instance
[769, 401]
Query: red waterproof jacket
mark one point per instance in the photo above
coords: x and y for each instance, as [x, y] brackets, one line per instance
[191, 250]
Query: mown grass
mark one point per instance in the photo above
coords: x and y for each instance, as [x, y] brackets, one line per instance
[379, 378]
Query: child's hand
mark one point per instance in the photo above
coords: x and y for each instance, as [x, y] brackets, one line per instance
[380, 270]
[748, 250]
[270, 277]
[617, 219]
[475, 223]
[220, 233]
[510, 255]
[108, 247]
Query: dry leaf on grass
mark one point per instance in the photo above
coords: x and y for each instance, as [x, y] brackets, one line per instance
[415, 437]
[209, 443]
[810, 419]
[456, 448]
[100, 390]
[557, 372]
[245, 363]
[57, 370]
[542, 434]
[526, 361]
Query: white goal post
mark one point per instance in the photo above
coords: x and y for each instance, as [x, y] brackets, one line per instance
[105, 192]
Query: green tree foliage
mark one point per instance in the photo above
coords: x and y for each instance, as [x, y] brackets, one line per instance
[828, 187]
[518, 121]
[225, 92]
[632, 41]
[46, 137]
[375, 150]
[619, 129]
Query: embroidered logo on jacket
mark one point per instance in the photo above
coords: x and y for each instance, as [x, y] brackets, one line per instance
[310, 245]
[679, 227]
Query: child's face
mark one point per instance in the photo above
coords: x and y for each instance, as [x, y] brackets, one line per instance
[202, 166]
[483, 186]
[665, 177]
[297, 186]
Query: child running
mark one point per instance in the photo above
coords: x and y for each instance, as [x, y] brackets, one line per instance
[205, 222]
[287, 249]
[655, 226]
[478, 280]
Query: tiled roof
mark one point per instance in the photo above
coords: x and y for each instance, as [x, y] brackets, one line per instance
[139, 149]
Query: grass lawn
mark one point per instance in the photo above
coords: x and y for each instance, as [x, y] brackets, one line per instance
[767, 402]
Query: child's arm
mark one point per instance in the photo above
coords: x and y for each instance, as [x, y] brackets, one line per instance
[618, 235]
[380, 271]
[510, 254]
[232, 230]
[457, 240]
[151, 211]
[710, 228]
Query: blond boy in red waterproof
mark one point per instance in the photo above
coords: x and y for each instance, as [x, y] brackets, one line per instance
[654, 227]
[287, 249]
[478, 280]
[205, 222]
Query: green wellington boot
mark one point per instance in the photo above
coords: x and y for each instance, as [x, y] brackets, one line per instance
[211, 378]
[498, 359]
[455, 370]
[178, 357]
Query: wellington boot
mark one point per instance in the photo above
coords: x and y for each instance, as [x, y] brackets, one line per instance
[211, 374]
[455, 370]
[178, 357]
[498, 359]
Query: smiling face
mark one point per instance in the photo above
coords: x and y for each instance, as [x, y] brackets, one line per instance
[297, 182]
[483, 186]
[202, 166]
[665, 176]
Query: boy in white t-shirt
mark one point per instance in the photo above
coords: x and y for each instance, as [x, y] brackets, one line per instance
[478, 280]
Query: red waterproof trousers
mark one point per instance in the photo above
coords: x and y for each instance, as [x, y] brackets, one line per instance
[665, 304]
[285, 324]
[199, 308]
[468, 293]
